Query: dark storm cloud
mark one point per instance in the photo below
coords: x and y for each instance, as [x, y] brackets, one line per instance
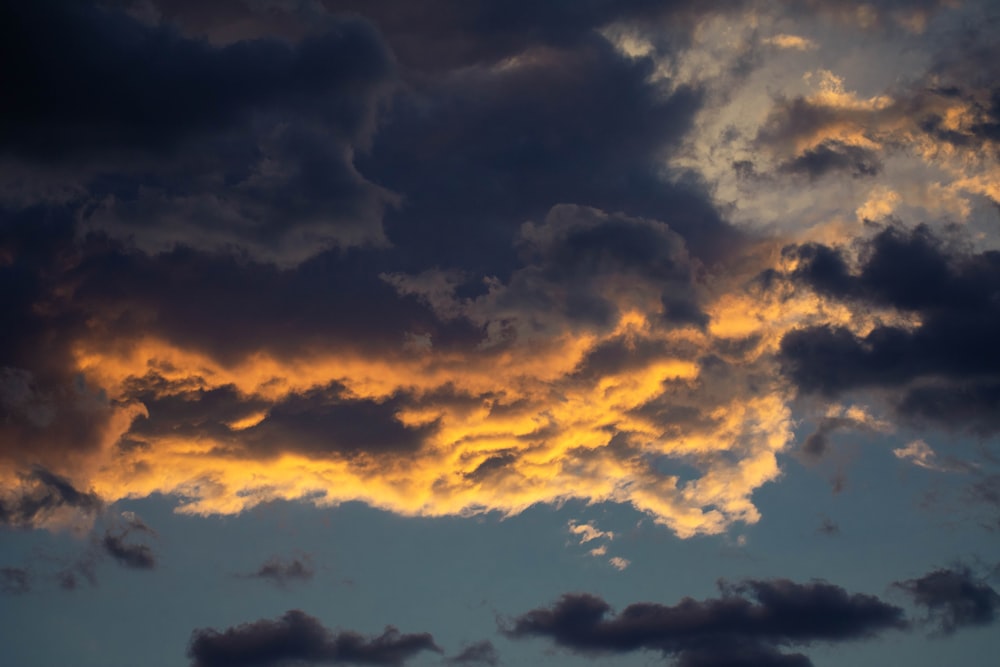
[947, 366]
[480, 653]
[458, 33]
[14, 580]
[284, 571]
[833, 156]
[47, 411]
[88, 79]
[300, 638]
[165, 139]
[954, 598]
[582, 125]
[752, 619]
[41, 494]
[230, 307]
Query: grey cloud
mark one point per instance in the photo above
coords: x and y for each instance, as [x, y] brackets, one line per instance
[479, 653]
[41, 494]
[946, 368]
[954, 598]
[298, 637]
[753, 619]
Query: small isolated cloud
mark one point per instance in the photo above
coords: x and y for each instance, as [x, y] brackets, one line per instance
[829, 527]
[954, 598]
[135, 556]
[587, 532]
[297, 638]
[793, 42]
[14, 580]
[285, 571]
[919, 453]
[480, 653]
[117, 544]
[597, 552]
[619, 563]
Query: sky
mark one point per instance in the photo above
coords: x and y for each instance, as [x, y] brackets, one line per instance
[499, 332]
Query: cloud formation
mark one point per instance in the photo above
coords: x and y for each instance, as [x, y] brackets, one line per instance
[942, 362]
[954, 598]
[298, 637]
[749, 624]
[450, 281]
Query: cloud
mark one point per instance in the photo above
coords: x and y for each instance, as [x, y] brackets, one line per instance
[547, 383]
[483, 653]
[919, 453]
[282, 571]
[753, 619]
[833, 156]
[794, 42]
[954, 598]
[816, 444]
[588, 532]
[152, 151]
[136, 556]
[619, 563]
[301, 638]
[458, 35]
[41, 498]
[942, 362]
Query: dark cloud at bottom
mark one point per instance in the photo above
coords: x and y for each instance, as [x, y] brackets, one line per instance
[748, 625]
[299, 638]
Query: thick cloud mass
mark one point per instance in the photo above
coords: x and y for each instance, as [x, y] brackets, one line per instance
[947, 363]
[165, 139]
[746, 626]
[458, 261]
[300, 638]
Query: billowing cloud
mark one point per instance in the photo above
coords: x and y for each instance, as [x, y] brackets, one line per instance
[300, 638]
[144, 128]
[943, 362]
[954, 598]
[552, 307]
[747, 625]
